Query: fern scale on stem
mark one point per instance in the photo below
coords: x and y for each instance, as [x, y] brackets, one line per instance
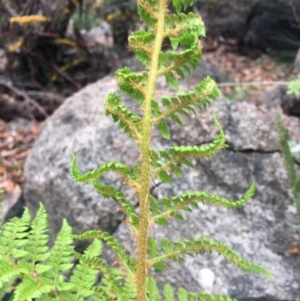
[145, 177]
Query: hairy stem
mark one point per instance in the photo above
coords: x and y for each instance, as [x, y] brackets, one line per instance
[145, 177]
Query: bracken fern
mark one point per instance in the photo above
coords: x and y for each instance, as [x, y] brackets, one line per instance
[52, 274]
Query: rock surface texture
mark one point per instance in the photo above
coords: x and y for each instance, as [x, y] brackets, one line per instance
[225, 17]
[261, 230]
[274, 26]
[266, 25]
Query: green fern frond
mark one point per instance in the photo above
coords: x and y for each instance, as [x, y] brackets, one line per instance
[13, 235]
[36, 247]
[290, 166]
[84, 275]
[179, 154]
[208, 150]
[47, 275]
[9, 271]
[185, 31]
[117, 195]
[6, 288]
[288, 157]
[141, 43]
[152, 290]
[112, 242]
[154, 294]
[128, 121]
[30, 289]
[111, 283]
[118, 168]
[189, 199]
[201, 98]
[176, 249]
[148, 12]
[133, 84]
[60, 258]
[182, 4]
[208, 297]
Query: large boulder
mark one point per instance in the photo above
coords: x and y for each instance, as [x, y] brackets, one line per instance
[266, 25]
[225, 17]
[262, 230]
[274, 26]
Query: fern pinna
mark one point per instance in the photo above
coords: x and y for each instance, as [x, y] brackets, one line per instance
[43, 271]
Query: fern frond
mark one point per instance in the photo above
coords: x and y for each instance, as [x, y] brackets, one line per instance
[154, 294]
[185, 31]
[148, 12]
[189, 199]
[36, 246]
[84, 275]
[176, 249]
[294, 178]
[60, 258]
[118, 168]
[166, 159]
[14, 235]
[108, 191]
[288, 157]
[128, 291]
[29, 289]
[152, 290]
[117, 195]
[6, 289]
[141, 43]
[208, 297]
[9, 271]
[179, 4]
[201, 98]
[128, 121]
[133, 84]
[113, 243]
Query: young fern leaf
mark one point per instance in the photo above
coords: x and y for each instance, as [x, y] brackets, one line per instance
[24, 252]
[128, 121]
[294, 178]
[189, 199]
[176, 249]
[12, 235]
[60, 259]
[182, 4]
[117, 195]
[118, 168]
[36, 247]
[30, 289]
[113, 243]
[133, 84]
[183, 30]
[208, 297]
[201, 98]
[152, 290]
[141, 43]
[179, 154]
[84, 274]
[108, 191]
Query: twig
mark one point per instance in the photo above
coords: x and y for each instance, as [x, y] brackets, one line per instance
[50, 95]
[246, 84]
[8, 84]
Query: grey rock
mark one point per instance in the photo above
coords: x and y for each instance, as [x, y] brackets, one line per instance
[268, 25]
[261, 230]
[225, 17]
[291, 105]
[76, 127]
